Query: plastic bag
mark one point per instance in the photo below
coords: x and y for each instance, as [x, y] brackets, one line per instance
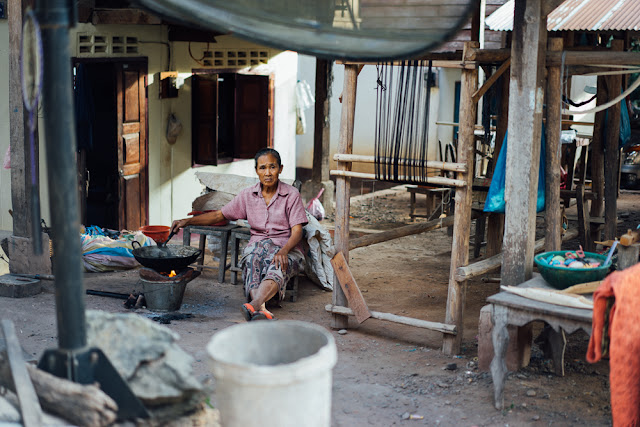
[315, 207]
[495, 198]
[174, 127]
[7, 158]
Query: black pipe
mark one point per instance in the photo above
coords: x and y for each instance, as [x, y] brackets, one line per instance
[108, 294]
[60, 137]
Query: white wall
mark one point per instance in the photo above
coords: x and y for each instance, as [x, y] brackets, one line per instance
[364, 128]
[172, 181]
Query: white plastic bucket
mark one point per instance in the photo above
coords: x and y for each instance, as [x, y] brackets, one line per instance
[273, 373]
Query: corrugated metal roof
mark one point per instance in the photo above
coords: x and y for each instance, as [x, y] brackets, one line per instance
[578, 15]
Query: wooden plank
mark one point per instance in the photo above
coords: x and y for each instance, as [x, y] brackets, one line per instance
[597, 161]
[491, 80]
[322, 127]
[350, 288]
[406, 230]
[583, 221]
[462, 218]
[593, 57]
[489, 264]
[357, 158]
[430, 180]
[553, 214]
[523, 154]
[343, 183]
[612, 152]
[434, 326]
[123, 17]
[29, 404]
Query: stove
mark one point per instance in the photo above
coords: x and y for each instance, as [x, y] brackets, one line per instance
[163, 292]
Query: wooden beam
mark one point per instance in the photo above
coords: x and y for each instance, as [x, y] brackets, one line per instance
[356, 158]
[123, 17]
[492, 263]
[430, 180]
[523, 153]
[322, 127]
[403, 231]
[553, 214]
[491, 80]
[350, 287]
[343, 183]
[462, 218]
[597, 161]
[593, 57]
[612, 152]
[434, 326]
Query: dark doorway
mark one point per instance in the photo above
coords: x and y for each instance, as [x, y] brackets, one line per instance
[111, 126]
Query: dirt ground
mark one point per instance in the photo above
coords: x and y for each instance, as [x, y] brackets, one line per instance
[387, 374]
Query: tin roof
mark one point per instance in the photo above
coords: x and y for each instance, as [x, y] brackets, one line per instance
[578, 15]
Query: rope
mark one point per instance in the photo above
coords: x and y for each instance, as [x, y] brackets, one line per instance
[606, 105]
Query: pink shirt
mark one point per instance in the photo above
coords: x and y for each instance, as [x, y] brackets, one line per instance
[268, 222]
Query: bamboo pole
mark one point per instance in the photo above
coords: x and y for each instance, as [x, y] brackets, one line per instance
[430, 180]
[433, 164]
[343, 184]
[434, 326]
[462, 218]
[553, 214]
[403, 231]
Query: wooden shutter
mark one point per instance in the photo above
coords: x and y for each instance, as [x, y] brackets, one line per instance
[252, 115]
[204, 119]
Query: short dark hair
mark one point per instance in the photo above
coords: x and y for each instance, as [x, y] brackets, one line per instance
[265, 151]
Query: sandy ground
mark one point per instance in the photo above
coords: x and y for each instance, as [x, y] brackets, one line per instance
[387, 374]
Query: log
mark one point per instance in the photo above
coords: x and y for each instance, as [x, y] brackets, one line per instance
[434, 326]
[430, 180]
[447, 166]
[82, 405]
[406, 230]
[489, 264]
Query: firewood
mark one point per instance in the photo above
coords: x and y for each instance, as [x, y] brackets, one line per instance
[82, 405]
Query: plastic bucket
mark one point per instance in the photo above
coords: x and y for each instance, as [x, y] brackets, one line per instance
[273, 373]
[163, 296]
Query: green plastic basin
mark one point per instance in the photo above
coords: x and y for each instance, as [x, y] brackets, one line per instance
[563, 277]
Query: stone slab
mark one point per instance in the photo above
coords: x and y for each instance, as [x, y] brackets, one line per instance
[12, 286]
[22, 260]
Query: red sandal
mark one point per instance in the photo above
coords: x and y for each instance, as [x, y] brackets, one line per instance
[248, 311]
[263, 315]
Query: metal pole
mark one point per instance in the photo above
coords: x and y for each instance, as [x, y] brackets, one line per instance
[60, 137]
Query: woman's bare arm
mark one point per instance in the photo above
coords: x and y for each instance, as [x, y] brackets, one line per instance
[208, 218]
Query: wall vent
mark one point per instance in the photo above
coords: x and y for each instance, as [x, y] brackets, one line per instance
[104, 45]
[237, 58]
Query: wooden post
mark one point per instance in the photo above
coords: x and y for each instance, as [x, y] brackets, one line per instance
[553, 215]
[322, 127]
[523, 154]
[495, 222]
[343, 184]
[462, 218]
[18, 129]
[612, 152]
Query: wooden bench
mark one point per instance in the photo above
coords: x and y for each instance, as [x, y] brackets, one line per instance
[223, 232]
[510, 309]
[433, 194]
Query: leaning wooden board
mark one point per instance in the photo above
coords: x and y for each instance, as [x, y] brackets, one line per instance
[350, 288]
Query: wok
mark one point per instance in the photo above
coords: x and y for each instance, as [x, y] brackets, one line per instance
[165, 258]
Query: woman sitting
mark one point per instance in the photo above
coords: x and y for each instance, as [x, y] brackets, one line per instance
[276, 215]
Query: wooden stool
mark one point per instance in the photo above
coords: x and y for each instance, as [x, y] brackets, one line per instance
[222, 232]
[243, 233]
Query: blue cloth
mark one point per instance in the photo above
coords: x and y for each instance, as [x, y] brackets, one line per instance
[495, 201]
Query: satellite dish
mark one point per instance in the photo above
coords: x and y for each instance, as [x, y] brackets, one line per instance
[371, 30]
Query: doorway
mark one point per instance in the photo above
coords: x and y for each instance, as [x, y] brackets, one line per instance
[111, 122]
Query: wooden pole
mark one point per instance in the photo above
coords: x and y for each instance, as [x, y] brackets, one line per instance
[553, 215]
[430, 180]
[612, 152]
[523, 154]
[433, 164]
[343, 184]
[597, 161]
[462, 218]
[321, 137]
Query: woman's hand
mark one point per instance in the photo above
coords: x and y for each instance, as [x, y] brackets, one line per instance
[281, 260]
[178, 224]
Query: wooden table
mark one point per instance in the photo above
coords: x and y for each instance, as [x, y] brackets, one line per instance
[432, 193]
[511, 309]
[222, 232]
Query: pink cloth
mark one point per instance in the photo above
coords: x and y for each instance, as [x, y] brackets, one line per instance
[268, 222]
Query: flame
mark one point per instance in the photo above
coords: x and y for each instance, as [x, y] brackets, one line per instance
[173, 273]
